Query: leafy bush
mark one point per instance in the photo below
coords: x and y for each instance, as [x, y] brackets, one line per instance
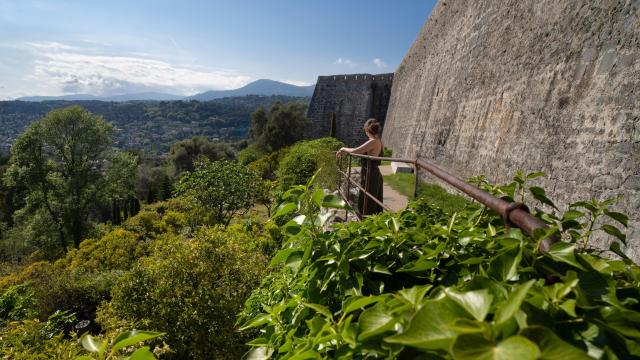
[304, 158]
[250, 154]
[192, 289]
[16, 303]
[56, 288]
[267, 166]
[122, 343]
[117, 250]
[427, 284]
[29, 340]
[222, 188]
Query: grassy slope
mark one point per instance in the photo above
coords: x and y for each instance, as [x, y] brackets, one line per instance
[403, 183]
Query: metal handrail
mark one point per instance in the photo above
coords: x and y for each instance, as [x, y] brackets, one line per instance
[516, 214]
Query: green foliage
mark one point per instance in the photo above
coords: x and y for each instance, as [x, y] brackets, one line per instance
[32, 340]
[183, 154]
[250, 154]
[191, 289]
[267, 165]
[429, 284]
[222, 188]
[111, 350]
[117, 250]
[387, 152]
[58, 160]
[281, 126]
[303, 159]
[16, 303]
[153, 125]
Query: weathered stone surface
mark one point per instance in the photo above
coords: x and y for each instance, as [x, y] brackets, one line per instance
[493, 86]
[353, 99]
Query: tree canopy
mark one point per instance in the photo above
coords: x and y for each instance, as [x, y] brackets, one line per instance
[281, 126]
[224, 188]
[59, 160]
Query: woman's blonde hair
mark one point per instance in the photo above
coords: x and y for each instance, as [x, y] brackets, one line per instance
[372, 126]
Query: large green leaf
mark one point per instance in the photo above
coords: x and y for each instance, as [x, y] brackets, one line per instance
[334, 202]
[540, 195]
[320, 309]
[564, 252]
[142, 354]
[551, 346]
[432, 326]
[359, 302]
[476, 303]
[285, 209]
[619, 217]
[612, 230]
[132, 337]
[259, 353]
[505, 266]
[90, 343]
[259, 320]
[374, 321]
[511, 305]
[476, 347]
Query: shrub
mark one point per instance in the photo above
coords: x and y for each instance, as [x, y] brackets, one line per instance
[428, 284]
[117, 250]
[16, 303]
[250, 154]
[192, 289]
[56, 288]
[29, 340]
[222, 188]
[267, 165]
[303, 159]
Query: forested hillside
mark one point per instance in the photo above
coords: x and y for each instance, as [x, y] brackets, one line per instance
[150, 125]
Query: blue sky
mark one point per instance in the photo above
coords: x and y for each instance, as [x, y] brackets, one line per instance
[112, 47]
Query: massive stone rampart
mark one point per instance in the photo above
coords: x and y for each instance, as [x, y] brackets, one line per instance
[352, 99]
[493, 86]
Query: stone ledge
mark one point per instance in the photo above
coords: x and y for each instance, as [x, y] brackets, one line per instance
[399, 167]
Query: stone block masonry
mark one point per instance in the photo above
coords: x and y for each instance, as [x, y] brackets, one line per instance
[494, 86]
[351, 99]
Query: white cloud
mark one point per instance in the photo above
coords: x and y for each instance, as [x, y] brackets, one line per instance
[379, 63]
[51, 46]
[72, 71]
[346, 62]
[297, 82]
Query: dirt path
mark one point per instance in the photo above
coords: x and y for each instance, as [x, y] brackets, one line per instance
[391, 197]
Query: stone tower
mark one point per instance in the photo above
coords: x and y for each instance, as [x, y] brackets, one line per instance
[351, 99]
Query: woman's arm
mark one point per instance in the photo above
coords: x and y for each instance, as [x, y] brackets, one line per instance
[362, 149]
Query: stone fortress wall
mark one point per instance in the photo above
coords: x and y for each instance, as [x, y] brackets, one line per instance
[493, 86]
[353, 99]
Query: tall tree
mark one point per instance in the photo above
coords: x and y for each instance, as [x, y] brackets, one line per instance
[183, 154]
[282, 126]
[60, 160]
[121, 181]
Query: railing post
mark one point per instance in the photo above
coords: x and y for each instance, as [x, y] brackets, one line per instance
[350, 158]
[415, 180]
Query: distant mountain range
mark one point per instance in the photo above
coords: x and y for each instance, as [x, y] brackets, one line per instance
[259, 87]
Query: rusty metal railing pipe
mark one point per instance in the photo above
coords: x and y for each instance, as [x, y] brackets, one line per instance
[513, 213]
[517, 215]
[385, 207]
